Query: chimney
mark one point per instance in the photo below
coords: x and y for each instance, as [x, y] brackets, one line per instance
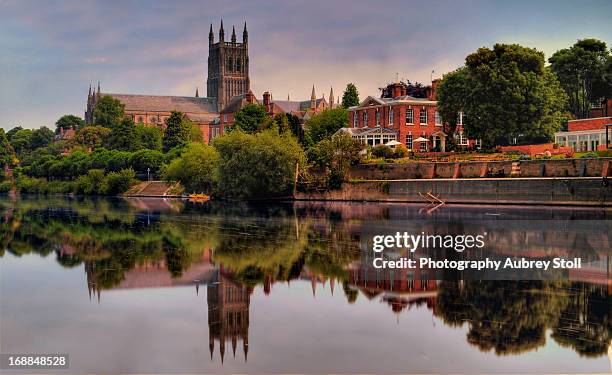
[396, 90]
[266, 101]
[250, 98]
[433, 91]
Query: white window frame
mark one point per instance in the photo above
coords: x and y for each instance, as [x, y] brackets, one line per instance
[437, 118]
[355, 119]
[409, 119]
[409, 141]
[365, 119]
[390, 115]
[423, 113]
[460, 118]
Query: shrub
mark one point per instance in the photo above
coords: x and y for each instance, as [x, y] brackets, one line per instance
[382, 151]
[5, 186]
[92, 183]
[605, 153]
[119, 182]
[400, 151]
[29, 185]
[143, 159]
[589, 155]
[196, 168]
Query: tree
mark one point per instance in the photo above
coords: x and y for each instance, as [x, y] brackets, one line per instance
[505, 93]
[178, 131]
[12, 132]
[41, 137]
[336, 154]
[196, 168]
[20, 141]
[325, 124]
[69, 122]
[257, 165]
[6, 150]
[150, 137]
[92, 136]
[108, 112]
[350, 97]
[250, 117]
[123, 136]
[143, 160]
[581, 69]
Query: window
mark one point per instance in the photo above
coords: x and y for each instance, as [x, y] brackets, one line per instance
[225, 117]
[377, 118]
[438, 119]
[355, 120]
[238, 65]
[409, 141]
[365, 119]
[409, 116]
[423, 116]
[229, 64]
[463, 141]
[140, 119]
[479, 144]
[390, 115]
[460, 118]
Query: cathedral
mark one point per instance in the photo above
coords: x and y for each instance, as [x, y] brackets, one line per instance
[227, 90]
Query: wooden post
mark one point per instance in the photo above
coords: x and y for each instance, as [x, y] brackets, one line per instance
[295, 180]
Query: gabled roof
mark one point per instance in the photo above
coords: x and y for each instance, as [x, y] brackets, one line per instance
[155, 103]
[294, 106]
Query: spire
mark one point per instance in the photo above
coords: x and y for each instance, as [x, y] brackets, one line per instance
[88, 95]
[211, 36]
[245, 34]
[313, 99]
[233, 35]
[197, 93]
[331, 97]
[288, 97]
[98, 88]
[221, 33]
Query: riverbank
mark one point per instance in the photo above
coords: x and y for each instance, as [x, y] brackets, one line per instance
[568, 191]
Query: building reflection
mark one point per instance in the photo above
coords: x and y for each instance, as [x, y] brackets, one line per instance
[228, 314]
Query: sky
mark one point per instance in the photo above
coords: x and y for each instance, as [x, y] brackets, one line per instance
[50, 51]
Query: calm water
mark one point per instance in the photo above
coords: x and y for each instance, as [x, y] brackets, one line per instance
[143, 286]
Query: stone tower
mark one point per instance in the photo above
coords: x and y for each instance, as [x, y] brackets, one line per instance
[228, 66]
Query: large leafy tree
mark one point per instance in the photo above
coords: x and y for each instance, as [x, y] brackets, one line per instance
[20, 141]
[41, 137]
[350, 97]
[178, 131]
[196, 169]
[251, 118]
[150, 137]
[323, 125]
[505, 93]
[108, 112]
[257, 165]
[6, 150]
[123, 136]
[92, 136]
[69, 122]
[581, 69]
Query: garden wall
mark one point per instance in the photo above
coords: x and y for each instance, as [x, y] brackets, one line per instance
[596, 167]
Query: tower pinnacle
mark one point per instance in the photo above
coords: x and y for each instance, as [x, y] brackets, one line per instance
[245, 34]
[221, 33]
[233, 35]
[211, 36]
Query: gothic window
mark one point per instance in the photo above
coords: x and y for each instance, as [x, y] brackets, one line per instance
[229, 64]
[238, 66]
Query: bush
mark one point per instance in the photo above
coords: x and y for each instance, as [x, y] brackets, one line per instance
[196, 168]
[400, 151]
[589, 155]
[5, 186]
[119, 182]
[143, 159]
[92, 183]
[382, 151]
[605, 153]
[29, 185]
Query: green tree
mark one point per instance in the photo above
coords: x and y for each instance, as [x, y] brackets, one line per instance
[250, 117]
[257, 165]
[196, 169]
[92, 136]
[581, 69]
[123, 136]
[505, 93]
[336, 154]
[142, 160]
[150, 137]
[323, 125]
[20, 141]
[118, 182]
[41, 137]
[178, 131]
[12, 132]
[6, 150]
[108, 112]
[350, 97]
[69, 122]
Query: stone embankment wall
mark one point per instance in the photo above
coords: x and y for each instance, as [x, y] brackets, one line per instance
[600, 167]
[545, 182]
[592, 191]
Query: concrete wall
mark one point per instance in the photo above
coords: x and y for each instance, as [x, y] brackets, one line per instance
[543, 191]
[529, 168]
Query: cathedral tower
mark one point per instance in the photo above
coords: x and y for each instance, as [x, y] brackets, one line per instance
[228, 66]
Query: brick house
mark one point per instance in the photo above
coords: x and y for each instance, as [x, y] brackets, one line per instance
[585, 134]
[412, 121]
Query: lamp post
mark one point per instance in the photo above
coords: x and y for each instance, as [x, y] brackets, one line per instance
[148, 174]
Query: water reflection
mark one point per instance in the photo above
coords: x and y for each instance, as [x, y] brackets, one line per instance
[234, 249]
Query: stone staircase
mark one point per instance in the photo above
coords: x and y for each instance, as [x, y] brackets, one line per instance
[151, 189]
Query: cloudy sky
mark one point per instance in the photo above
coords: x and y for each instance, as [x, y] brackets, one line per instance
[52, 50]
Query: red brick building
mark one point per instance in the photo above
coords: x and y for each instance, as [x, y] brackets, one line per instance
[412, 121]
[587, 134]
